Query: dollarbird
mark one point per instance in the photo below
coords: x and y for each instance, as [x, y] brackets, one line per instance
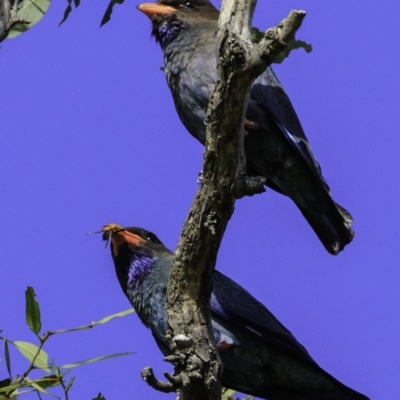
[260, 356]
[276, 146]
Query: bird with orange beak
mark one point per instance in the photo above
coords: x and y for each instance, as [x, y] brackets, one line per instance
[275, 144]
[260, 356]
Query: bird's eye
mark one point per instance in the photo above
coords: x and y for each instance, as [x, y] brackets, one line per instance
[152, 238]
[189, 4]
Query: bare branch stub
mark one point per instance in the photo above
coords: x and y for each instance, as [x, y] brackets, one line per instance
[275, 39]
[148, 376]
[190, 338]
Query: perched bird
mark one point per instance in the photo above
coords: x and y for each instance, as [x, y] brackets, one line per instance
[275, 145]
[260, 356]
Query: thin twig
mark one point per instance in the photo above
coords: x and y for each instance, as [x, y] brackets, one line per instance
[148, 376]
[64, 387]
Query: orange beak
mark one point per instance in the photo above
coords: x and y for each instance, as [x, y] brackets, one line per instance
[153, 9]
[124, 237]
[119, 236]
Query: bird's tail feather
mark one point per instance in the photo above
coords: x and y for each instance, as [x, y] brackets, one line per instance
[341, 392]
[333, 228]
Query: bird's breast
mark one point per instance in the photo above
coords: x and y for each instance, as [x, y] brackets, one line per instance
[190, 75]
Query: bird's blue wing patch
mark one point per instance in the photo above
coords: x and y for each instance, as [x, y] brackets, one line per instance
[238, 307]
[268, 92]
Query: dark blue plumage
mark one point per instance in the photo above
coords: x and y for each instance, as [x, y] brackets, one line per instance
[260, 356]
[276, 146]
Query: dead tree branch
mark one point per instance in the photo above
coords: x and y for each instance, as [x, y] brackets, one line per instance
[196, 361]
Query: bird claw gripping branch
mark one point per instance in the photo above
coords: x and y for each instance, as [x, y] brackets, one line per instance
[250, 185]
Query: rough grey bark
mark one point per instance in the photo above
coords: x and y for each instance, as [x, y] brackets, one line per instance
[197, 365]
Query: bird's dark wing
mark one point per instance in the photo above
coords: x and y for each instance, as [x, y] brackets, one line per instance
[268, 92]
[237, 306]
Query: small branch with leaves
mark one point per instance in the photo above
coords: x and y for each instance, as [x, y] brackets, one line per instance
[55, 376]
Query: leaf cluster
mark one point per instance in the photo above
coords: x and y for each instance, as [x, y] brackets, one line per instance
[53, 375]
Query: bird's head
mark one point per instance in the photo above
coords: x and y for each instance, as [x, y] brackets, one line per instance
[131, 239]
[170, 17]
[134, 251]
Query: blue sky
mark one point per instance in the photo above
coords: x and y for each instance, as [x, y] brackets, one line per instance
[89, 136]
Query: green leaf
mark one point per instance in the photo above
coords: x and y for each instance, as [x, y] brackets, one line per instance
[33, 10]
[32, 311]
[7, 357]
[5, 382]
[8, 389]
[34, 385]
[294, 44]
[109, 10]
[100, 322]
[46, 381]
[71, 382]
[112, 316]
[60, 375]
[39, 385]
[31, 352]
[17, 393]
[227, 394]
[99, 397]
[92, 360]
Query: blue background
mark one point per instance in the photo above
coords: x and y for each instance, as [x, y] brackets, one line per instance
[89, 135]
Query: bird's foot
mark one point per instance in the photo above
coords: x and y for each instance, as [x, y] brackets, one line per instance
[223, 346]
[250, 185]
[248, 124]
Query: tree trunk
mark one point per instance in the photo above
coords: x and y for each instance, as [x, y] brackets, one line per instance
[197, 364]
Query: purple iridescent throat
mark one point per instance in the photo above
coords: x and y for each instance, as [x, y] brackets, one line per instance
[166, 31]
